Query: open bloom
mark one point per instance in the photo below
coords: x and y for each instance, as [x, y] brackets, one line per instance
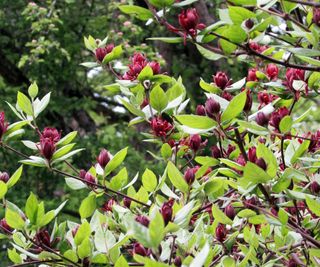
[272, 71]
[295, 75]
[160, 126]
[101, 52]
[189, 21]
[3, 124]
[277, 116]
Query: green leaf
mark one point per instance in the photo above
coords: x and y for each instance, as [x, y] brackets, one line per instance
[25, 103]
[62, 151]
[3, 189]
[176, 178]
[220, 216]
[285, 124]
[185, 3]
[239, 14]
[114, 54]
[31, 208]
[269, 158]
[161, 3]
[14, 219]
[140, 12]
[158, 99]
[156, 230]
[145, 74]
[309, 60]
[300, 151]
[244, 2]
[149, 180]
[253, 127]
[208, 54]
[253, 173]
[71, 255]
[84, 250]
[116, 161]
[196, 122]
[209, 87]
[235, 107]
[87, 207]
[67, 139]
[33, 90]
[313, 205]
[120, 180]
[166, 151]
[205, 160]
[121, 262]
[169, 40]
[14, 256]
[83, 232]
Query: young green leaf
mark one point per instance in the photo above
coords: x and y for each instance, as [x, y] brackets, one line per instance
[176, 178]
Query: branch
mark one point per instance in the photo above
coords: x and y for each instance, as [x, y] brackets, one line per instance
[306, 3]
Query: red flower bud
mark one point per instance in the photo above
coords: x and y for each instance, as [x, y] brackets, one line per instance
[189, 176]
[195, 142]
[127, 202]
[89, 178]
[4, 226]
[249, 23]
[3, 124]
[138, 62]
[221, 80]
[189, 21]
[166, 211]
[103, 158]
[221, 232]
[82, 174]
[316, 16]
[262, 119]
[226, 95]
[201, 111]
[292, 263]
[252, 77]
[315, 187]
[43, 238]
[140, 250]
[248, 104]
[212, 107]
[277, 116]
[4, 177]
[108, 205]
[265, 98]
[74, 231]
[315, 142]
[160, 126]
[294, 75]
[177, 261]
[252, 156]
[100, 52]
[261, 163]
[51, 133]
[230, 211]
[272, 71]
[155, 66]
[251, 201]
[144, 220]
[47, 148]
[215, 152]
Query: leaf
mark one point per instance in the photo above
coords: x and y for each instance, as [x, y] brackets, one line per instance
[201, 257]
[14, 219]
[220, 216]
[68, 155]
[90, 64]
[33, 90]
[14, 256]
[120, 180]
[209, 87]
[87, 207]
[67, 139]
[285, 124]
[313, 205]
[196, 122]
[116, 161]
[84, 250]
[208, 54]
[3, 189]
[309, 60]
[121, 262]
[75, 184]
[253, 173]
[166, 151]
[31, 208]
[140, 12]
[71, 255]
[170, 40]
[185, 3]
[253, 127]
[235, 107]
[300, 151]
[269, 158]
[42, 105]
[149, 180]
[83, 232]
[15, 177]
[176, 178]
[24, 103]
[161, 3]
[158, 99]
[114, 54]
[62, 151]
[239, 14]
[156, 230]
[244, 2]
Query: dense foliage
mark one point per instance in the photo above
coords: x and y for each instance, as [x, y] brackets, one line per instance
[236, 180]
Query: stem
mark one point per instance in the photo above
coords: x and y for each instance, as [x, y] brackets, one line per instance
[282, 152]
[172, 249]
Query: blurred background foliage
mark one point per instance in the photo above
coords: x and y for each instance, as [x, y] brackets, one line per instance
[42, 41]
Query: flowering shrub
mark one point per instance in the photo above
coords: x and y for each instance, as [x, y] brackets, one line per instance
[241, 183]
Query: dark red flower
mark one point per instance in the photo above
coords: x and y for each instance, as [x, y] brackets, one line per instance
[140, 250]
[127, 202]
[107, 206]
[212, 107]
[200, 110]
[262, 119]
[4, 226]
[248, 104]
[189, 175]
[261, 163]
[230, 211]
[226, 95]
[315, 187]
[47, 148]
[316, 16]
[138, 62]
[89, 178]
[75, 230]
[160, 126]
[189, 21]
[216, 152]
[195, 142]
[295, 75]
[230, 149]
[101, 52]
[177, 261]
[103, 158]
[252, 77]
[221, 232]
[3, 124]
[249, 23]
[155, 66]
[252, 155]
[272, 71]
[4, 177]
[51, 133]
[258, 48]
[43, 238]
[315, 142]
[144, 103]
[221, 80]
[167, 211]
[144, 220]
[249, 203]
[277, 116]
[265, 98]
